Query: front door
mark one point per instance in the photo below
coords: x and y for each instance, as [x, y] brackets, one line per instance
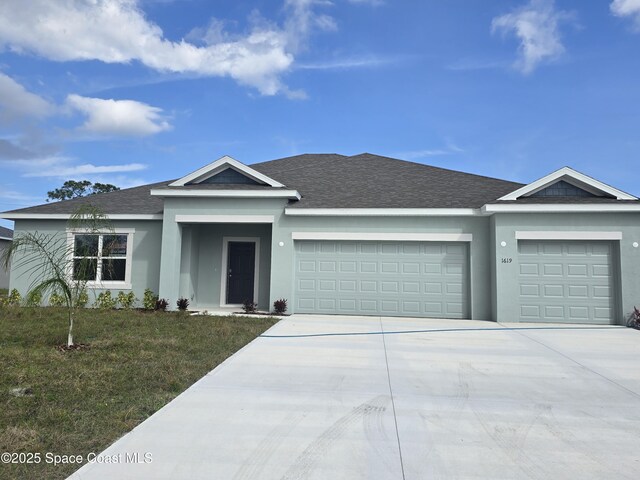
[240, 272]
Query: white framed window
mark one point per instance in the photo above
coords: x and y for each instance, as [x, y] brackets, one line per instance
[102, 259]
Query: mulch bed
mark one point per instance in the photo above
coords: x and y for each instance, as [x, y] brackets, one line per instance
[76, 346]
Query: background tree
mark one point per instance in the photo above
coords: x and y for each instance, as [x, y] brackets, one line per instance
[48, 260]
[74, 189]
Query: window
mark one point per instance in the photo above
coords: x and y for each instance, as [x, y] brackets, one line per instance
[102, 258]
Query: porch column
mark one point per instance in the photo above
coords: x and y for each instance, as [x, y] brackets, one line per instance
[170, 261]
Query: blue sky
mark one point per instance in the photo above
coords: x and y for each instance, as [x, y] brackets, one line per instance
[132, 92]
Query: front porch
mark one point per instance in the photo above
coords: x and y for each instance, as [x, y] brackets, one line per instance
[219, 266]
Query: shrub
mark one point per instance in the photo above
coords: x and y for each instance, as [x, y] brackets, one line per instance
[82, 300]
[126, 300]
[162, 304]
[182, 304]
[249, 306]
[280, 306]
[14, 299]
[56, 300]
[4, 301]
[105, 301]
[34, 298]
[150, 300]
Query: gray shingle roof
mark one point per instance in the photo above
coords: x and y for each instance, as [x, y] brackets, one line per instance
[136, 200]
[373, 181]
[6, 232]
[333, 181]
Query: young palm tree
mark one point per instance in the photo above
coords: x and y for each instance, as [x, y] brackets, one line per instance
[55, 265]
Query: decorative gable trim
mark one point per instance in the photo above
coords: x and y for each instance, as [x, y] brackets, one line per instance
[573, 177]
[218, 166]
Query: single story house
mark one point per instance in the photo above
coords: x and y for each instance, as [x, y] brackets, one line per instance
[368, 235]
[6, 237]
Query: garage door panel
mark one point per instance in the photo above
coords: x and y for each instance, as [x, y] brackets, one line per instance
[566, 281]
[529, 290]
[368, 267]
[348, 267]
[411, 268]
[432, 268]
[382, 278]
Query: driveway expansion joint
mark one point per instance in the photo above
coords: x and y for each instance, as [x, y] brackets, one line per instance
[393, 403]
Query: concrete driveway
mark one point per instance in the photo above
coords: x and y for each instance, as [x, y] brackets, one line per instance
[482, 400]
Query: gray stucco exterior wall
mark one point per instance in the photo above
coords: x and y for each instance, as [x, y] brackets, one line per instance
[186, 259]
[145, 268]
[4, 273]
[626, 256]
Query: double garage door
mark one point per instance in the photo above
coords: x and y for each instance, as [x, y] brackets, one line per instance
[566, 281]
[419, 279]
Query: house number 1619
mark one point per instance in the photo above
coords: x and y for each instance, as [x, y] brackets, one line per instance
[507, 260]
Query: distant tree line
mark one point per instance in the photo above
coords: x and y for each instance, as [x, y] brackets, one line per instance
[75, 189]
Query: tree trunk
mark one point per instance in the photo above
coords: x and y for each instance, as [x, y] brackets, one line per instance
[70, 337]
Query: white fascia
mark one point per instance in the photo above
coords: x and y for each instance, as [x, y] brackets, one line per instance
[381, 212]
[558, 235]
[560, 208]
[384, 236]
[224, 218]
[275, 193]
[67, 216]
[6, 238]
[573, 177]
[221, 164]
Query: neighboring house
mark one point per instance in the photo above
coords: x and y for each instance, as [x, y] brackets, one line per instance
[6, 237]
[369, 235]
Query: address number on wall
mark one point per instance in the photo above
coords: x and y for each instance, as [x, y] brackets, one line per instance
[507, 260]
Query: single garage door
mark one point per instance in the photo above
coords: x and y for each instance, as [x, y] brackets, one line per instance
[423, 279]
[566, 281]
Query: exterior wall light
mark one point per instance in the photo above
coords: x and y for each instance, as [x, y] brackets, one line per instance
[503, 243]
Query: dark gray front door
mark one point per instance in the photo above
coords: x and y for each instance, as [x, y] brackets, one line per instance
[240, 271]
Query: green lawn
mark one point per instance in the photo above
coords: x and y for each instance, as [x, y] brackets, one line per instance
[84, 400]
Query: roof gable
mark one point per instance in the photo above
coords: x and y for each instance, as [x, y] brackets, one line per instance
[568, 182]
[206, 173]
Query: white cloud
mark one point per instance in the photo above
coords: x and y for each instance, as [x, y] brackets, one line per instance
[374, 3]
[627, 8]
[86, 169]
[348, 63]
[537, 27]
[450, 149]
[118, 117]
[117, 31]
[17, 102]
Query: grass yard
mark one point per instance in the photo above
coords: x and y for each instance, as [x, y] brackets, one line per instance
[4, 292]
[82, 401]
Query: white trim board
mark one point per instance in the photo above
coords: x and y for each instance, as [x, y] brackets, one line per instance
[551, 235]
[562, 208]
[572, 176]
[384, 236]
[224, 218]
[6, 238]
[67, 216]
[221, 164]
[380, 212]
[275, 193]
[225, 266]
